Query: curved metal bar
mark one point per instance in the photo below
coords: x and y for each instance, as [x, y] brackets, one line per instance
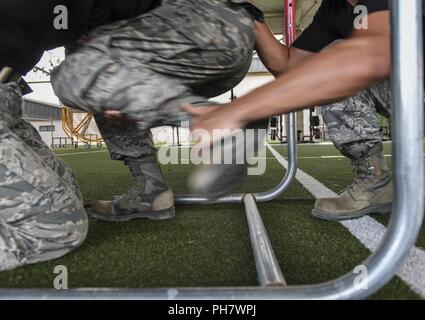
[408, 102]
[408, 205]
[268, 269]
[262, 196]
[292, 165]
[290, 35]
[194, 199]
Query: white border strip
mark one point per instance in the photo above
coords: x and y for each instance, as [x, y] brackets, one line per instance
[77, 153]
[368, 231]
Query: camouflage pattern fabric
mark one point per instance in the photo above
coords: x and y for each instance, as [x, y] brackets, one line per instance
[125, 142]
[41, 210]
[183, 51]
[353, 123]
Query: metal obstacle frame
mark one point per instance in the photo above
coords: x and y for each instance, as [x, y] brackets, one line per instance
[406, 220]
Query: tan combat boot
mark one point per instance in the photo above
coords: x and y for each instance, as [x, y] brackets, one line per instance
[149, 198]
[371, 192]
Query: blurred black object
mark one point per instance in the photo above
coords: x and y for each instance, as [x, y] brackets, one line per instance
[9, 75]
[27, 27]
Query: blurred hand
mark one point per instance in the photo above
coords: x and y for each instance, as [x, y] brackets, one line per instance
[209, 118]
[117, 116]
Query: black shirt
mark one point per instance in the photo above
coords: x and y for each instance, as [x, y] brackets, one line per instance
[27, 28]
[334, 21]
[124, 9]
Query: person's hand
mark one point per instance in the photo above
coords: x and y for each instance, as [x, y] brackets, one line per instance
[117, 116]
[220, 119]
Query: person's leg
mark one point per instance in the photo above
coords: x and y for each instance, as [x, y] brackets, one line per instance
[150, 197]
[210, 61]
[41, 216]
[354, 129]
[146, 67]
[30, 136]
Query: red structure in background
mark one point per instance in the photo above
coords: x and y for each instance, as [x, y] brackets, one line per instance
[289, 11]
[290, 21]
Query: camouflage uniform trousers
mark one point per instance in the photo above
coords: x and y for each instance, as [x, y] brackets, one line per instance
[126, 142]
[183, 51]
[147, 65]
[353, 124]
[41, 210]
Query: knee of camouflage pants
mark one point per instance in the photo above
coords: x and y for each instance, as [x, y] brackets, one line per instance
[353, 124]
[125, 141]
[148, 66]
[41, 213]
[36, 227]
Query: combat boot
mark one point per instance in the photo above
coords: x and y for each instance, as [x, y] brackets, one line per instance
[371, 192]
[149, 198]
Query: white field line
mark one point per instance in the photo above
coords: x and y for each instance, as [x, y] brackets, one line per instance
[77, 153]
[368, 231]
[260, 158]
[332, 157]
[326, 143]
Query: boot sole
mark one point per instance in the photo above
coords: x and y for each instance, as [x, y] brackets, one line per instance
[323, 215]
[126, 215]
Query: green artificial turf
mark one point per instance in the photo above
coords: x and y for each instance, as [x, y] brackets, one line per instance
[206, 245]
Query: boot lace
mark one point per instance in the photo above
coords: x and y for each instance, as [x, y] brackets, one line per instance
[363, 171]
